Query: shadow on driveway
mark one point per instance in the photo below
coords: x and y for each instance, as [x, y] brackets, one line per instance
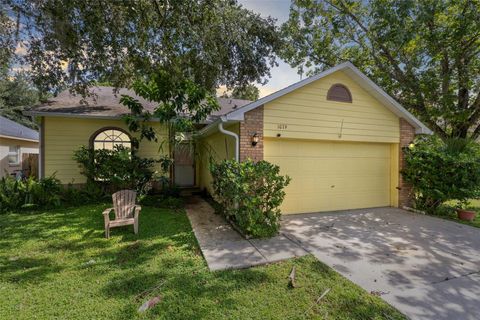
[428, 268]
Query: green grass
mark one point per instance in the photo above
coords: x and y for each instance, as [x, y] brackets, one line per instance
[57, 264]
[452, 215]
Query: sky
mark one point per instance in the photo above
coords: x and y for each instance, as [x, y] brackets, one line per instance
[283, 75]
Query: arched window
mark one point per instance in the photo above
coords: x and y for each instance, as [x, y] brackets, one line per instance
[339, 92]
[107, 138]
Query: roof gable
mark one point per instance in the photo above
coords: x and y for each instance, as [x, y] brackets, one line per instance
[307, 113]
[353, 73]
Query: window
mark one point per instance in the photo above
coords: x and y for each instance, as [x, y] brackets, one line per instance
[14, 155]
[108, 138]
[339, 92]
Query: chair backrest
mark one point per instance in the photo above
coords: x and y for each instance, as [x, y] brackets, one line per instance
[123, 204]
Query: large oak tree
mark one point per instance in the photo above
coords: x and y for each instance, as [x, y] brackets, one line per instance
[213, 42]
[424, 53]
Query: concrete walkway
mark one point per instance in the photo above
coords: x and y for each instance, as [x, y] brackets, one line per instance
[223, 248]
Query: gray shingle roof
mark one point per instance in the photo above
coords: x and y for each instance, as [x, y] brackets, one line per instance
[12, 129]
[105, 102]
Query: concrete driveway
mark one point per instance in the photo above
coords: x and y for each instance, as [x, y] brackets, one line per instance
[428, 268]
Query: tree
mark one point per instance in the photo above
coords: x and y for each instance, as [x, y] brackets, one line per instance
[16, 94]
[213, 42]
[7, 42]
[426, 54]
[246, 92]
[180, 104]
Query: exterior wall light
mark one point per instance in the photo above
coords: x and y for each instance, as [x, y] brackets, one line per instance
[254, 139]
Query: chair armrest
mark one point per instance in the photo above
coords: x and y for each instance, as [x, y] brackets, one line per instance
[107, 211]
[137, 210]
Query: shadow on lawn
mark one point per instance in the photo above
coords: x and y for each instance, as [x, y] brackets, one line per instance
[31, 243]
[27, 269]
[191, 295]
[67, 247]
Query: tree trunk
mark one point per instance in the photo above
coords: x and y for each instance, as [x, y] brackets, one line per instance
[460, 131]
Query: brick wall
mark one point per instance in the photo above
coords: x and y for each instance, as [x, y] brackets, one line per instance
[407, 134]
[253, 123]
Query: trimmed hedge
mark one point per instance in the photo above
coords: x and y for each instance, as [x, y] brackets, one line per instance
[249, 194]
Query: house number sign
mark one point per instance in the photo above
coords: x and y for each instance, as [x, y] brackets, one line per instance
[281, 126]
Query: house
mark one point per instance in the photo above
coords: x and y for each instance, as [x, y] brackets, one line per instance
[336, 134]
[18, 149]
[68, 122]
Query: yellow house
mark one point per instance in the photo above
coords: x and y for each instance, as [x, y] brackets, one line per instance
[336, 134]
[68, 122]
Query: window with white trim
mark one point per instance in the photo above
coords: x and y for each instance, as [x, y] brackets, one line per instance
[109, 138]
[14, 155]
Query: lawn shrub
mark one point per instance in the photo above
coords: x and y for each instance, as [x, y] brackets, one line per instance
[442, 170]
[249, 194]
[117, 169]
[29, 194]
[83, 194]
[163, 201]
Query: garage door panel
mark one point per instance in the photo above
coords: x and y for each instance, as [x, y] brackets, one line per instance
[332, 175]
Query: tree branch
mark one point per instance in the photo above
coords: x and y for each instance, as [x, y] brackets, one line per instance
[476, 110]
[400, 76]
[445, 74]
[476, 133]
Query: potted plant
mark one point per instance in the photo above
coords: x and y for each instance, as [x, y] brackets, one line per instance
[464, 212]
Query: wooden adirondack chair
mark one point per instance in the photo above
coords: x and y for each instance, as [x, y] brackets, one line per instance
[126, 211]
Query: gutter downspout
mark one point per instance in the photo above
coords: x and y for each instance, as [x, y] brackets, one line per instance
[233, 134]
[41, 149]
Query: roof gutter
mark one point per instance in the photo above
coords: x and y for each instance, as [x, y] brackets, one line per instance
[208, 129]
[17, 138]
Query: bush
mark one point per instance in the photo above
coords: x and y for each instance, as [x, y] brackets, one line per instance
[442, 171]
[17, 194]
[249, 195]
[163, 201]
[87, 193]
[116, 169]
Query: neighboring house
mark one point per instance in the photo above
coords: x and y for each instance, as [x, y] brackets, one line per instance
[18, 148]
[337, 135]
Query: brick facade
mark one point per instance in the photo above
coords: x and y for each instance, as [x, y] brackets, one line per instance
[407, 134]
[253, 123]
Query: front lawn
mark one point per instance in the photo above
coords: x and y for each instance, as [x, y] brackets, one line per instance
[57, 264]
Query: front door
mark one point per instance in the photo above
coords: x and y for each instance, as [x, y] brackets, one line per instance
[184, 165]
